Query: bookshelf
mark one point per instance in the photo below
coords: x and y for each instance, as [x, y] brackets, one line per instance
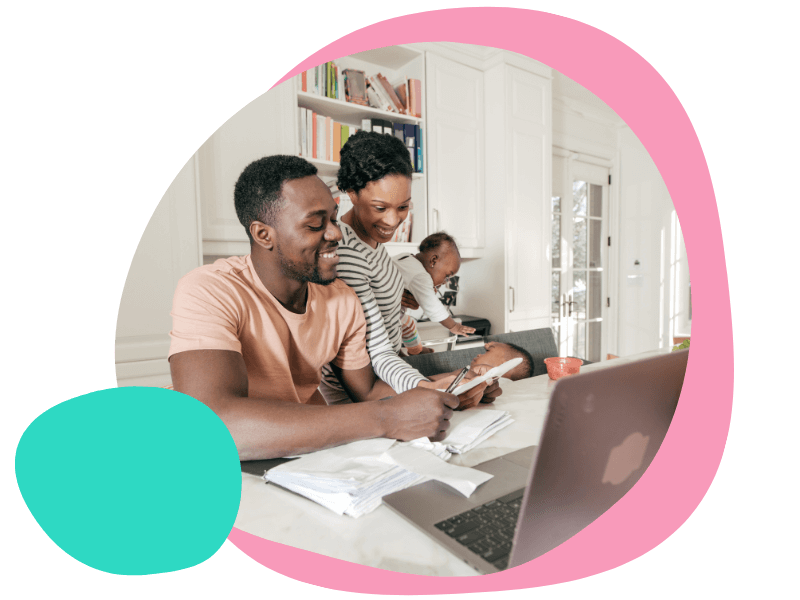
[395, 63]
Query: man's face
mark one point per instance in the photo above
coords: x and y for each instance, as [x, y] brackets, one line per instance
[307, 232]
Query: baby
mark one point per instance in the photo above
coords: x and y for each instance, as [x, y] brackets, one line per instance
[437, 261]
[496, 354]
[499, 352]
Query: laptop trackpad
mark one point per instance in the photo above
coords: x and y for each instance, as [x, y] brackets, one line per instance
[524, 457]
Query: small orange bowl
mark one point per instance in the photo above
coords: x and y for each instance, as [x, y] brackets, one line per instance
[558, 367]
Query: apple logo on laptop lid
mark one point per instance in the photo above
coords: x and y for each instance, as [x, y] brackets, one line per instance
[626, 458]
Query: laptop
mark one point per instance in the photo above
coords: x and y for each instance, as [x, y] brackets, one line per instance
[602, 430]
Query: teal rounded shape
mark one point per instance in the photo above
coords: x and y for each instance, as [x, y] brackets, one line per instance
[131, 481]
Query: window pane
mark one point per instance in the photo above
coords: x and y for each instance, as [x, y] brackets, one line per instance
[595, 244]
[555, 294]
[595, 200]
[579, 198]
[579, 294]
[579, 243]
[595, 294]
[556, 203]
[555, 241]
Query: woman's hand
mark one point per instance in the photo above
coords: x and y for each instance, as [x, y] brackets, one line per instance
[408, 301]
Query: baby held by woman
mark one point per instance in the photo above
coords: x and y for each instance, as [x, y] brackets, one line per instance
[423, 273]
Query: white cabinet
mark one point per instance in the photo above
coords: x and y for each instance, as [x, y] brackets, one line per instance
[169, 248]
[528, 153]
[510, 284]
[263, 127]
[456, 151]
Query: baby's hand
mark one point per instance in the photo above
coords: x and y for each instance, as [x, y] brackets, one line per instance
[460, 329]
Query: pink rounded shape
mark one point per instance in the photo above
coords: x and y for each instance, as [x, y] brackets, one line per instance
[558, 367]
[679, 476]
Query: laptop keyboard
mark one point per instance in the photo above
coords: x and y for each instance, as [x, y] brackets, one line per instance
[487, 530]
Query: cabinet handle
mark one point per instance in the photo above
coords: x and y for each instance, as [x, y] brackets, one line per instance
[513, 299]
[436, 220]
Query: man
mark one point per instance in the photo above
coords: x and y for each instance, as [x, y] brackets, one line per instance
[250, 334]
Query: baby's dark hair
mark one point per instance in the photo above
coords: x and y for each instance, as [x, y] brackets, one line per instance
[435, 240]
[525, 369]
[370, 156]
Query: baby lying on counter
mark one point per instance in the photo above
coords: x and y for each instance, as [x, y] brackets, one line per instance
[496, 354]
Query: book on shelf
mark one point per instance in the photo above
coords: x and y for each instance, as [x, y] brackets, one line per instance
[411, 143]
[303, 135]
[390, 93]
[418, 138]
[355, 87]
[324, 80]
[415, 97]
[399, 132]
[384, 102]
[322, 137]
[402, 94]
[336, 143]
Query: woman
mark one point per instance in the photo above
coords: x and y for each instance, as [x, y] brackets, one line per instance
[375, 172]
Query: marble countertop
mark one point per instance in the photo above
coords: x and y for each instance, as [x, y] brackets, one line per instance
[383, 539]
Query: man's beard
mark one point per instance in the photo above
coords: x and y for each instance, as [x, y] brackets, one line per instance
[302, 272]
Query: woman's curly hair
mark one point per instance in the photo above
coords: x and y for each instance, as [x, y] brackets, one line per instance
[370, 156]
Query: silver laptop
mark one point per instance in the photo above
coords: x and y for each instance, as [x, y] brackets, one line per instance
[602, 430]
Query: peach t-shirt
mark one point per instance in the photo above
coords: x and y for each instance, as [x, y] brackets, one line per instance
[224, 306]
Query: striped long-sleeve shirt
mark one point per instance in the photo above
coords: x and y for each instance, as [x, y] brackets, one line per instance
[379, 285]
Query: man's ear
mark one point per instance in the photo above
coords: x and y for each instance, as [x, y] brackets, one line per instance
[263, 235]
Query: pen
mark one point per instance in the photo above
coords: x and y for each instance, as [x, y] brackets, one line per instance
[457, 380]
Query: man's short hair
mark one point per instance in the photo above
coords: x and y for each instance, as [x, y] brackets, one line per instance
[370, 156]
[434, 240]
[525, 369]
[257, 194]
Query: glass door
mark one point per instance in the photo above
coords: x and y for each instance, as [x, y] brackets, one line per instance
[579, 253]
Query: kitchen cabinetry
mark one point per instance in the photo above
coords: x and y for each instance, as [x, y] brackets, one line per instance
[510, 284]
[456, 152]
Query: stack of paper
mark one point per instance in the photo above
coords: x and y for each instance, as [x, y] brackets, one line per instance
[353, 478]
[467, 429]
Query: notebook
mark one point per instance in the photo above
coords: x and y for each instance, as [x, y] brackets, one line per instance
[602, 431]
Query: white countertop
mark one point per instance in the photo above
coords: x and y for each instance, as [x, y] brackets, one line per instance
[383, 539]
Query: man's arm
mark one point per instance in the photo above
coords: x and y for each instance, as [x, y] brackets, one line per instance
[266, 428]
[362, 385]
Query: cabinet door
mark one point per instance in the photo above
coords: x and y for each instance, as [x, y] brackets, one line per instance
[169, 248]
[455, 150]
[529, 177]
[265, 126]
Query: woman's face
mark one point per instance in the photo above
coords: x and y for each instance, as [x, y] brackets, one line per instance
[380, 207]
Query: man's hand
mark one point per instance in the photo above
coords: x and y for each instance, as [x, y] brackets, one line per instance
[468, 399]
[417, 413]
[408, 301]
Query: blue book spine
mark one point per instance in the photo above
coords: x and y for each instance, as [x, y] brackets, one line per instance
[418, 146]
